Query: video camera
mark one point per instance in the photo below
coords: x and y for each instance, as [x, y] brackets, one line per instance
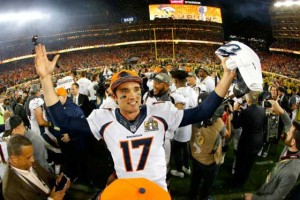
[34, 42]
[102, 86]
[266, 104]
[272, 123]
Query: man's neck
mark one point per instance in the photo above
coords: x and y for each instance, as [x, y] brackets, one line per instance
[293, 149]
[130, 116]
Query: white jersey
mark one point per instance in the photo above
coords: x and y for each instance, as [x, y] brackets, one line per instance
[209, 82]
[137, 150]
[34, 104]
[92, 92]
[84, 83]
[151, 100]
[183, 134]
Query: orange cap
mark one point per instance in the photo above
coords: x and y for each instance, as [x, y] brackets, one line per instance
[61, 91]
[124, 76]
[157, 69]
[134, 189]
[187, 69]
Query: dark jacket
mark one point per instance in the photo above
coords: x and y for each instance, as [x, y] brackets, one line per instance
[252, 121]
[85, 105]
[14, 188]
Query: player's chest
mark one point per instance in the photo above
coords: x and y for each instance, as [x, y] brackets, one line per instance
[149, 127]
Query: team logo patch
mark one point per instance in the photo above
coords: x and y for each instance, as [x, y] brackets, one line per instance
[151, 125]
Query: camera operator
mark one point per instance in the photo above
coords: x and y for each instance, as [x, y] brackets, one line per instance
[101, 88]
[273, 130]
[284, 103]
[252, 122]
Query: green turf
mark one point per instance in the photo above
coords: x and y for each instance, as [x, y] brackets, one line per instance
[222, 189]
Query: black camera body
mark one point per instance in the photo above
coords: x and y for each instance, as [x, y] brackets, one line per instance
[266, 104]
[34, 42]
[272, 127]
[102, 86]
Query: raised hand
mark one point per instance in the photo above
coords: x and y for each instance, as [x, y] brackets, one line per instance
[43, 66]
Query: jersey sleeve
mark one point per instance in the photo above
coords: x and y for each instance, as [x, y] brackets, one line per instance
[98, 119]
[94, 126]
[167, 112]
[203, 111]
[35, 103]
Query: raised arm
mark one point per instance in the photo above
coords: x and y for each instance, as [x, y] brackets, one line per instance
[282, 113]
[226, 80]
[44, 69]
[212, 102]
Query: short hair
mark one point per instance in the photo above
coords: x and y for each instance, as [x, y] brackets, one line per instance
[272, 86]
[293, 89]
[76, 85]
[83, 74]
[16, 143]
[296, 134]
[281, 89]
[253, 97]
[95, 76]
[19, 99]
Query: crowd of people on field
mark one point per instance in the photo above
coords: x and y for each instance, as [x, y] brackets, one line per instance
[90, 80]
[21, 71]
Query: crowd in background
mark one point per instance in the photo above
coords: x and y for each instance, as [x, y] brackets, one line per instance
[86, 63]
[198, 61]
[21, 71]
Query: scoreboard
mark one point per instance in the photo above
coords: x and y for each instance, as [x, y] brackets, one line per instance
[185, 12]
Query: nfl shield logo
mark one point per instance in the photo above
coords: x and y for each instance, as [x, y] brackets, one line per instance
[132, 128]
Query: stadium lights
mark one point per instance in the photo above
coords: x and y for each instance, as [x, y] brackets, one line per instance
[23, 16]
[287, 3]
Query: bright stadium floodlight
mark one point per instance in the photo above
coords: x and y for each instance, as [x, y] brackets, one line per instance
[287, 3]
[23, 16]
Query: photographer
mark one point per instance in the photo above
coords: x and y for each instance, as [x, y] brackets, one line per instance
[206, 152]
[284, 175]
[101, 88]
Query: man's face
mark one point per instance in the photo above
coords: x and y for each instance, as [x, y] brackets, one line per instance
[274, 92]
[202, 73]
[159, 88]
[25, 160]
[289, 137]
[128, 96]
[62, 99]
[191, 80]
[74, 90]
